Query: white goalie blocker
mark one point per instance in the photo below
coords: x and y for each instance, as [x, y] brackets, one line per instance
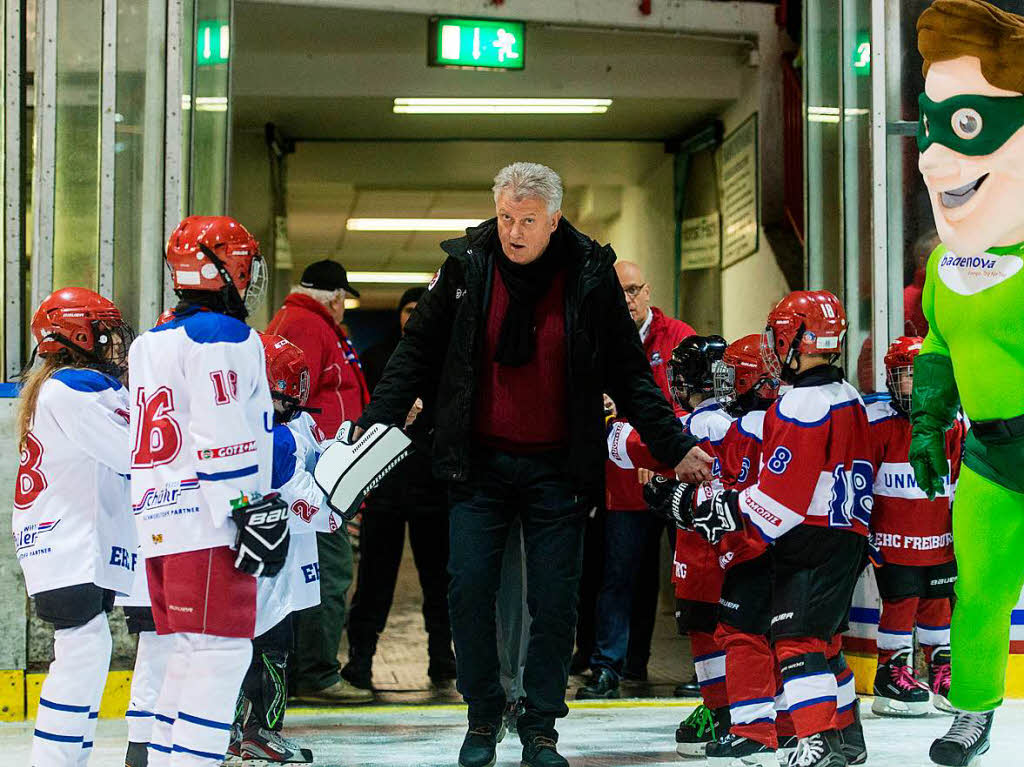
[347, 471]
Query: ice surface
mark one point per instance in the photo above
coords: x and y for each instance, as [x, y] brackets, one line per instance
[628, 733]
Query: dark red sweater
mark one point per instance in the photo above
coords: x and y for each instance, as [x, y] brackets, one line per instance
[524, 409]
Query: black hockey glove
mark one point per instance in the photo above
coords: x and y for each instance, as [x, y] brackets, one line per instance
[671, 499]
[262, 541]
[718, 515]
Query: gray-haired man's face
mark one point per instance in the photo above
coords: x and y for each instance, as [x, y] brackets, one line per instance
[524, 227]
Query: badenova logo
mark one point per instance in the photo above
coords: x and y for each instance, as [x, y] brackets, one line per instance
[967, 275]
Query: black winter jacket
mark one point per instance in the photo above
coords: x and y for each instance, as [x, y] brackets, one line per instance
[438, 359]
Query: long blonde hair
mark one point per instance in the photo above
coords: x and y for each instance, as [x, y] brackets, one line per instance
[32, 380]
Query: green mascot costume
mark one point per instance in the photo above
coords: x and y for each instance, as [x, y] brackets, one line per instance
[971, 137]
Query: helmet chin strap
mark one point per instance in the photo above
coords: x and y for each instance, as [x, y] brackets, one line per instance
[234, 303]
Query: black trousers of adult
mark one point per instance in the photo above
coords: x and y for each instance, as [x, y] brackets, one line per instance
[420, 503]
[590, 582]
[649, 581]
[537, 489]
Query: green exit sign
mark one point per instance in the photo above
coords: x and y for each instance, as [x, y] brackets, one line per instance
[476, 43]
[862, 55]
[213, 41]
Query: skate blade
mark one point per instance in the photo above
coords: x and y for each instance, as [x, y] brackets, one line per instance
[942, 704]
[232, 761]
[305, 756]
[889, 707]
[753, 760]
[691, 750]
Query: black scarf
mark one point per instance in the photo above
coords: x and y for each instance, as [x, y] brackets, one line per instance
[526, 284]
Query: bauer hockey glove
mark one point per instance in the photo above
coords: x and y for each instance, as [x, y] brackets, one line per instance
[262, 541]
[934, 404]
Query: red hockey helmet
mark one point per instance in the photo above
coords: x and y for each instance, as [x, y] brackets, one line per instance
[287, 371]
[165, 316]
[82, 321]
[899, 370]
[217, 254]
[742, 370]
[804, 322]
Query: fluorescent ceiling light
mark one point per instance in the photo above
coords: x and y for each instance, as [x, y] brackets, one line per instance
[211, 103]
[410, 224]
[390, 278]
[831, 114]
[496, 106]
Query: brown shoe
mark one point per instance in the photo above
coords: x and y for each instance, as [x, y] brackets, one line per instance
[340, 692]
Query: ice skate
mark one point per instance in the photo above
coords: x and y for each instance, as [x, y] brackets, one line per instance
[852, 739]
[787, 745]
[938, 680]
[262, 748]
[700, 728]
[233, 756]
[736, 751]
[823, 749]
[966, 740]
[897, 691]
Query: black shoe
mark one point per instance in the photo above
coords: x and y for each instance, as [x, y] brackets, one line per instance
[442, 670]
[634, 672]
[689, 689]
[579, 664]
[542, 752]
[358, 675]
[967, 739]
[823, 749]
[513, 710]
[700, 728]
[898, 692]
[736, 751]
[852, 739]
[603, 685]
[137, 755]
[478, 747]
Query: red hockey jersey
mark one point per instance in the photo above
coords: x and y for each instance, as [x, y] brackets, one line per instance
[906, 527]
[623, 492]
[817, 457]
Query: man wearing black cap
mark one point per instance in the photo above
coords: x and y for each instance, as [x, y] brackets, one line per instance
[412, 497]
[311, 319]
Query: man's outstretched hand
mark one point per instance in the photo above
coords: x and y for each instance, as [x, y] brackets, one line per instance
[695, 467]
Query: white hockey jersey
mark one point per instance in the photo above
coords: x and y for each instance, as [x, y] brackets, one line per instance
[201, 429]
[72, 522]
[709, 422]
[297, 586]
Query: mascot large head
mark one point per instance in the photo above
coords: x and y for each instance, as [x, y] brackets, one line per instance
[971, 129]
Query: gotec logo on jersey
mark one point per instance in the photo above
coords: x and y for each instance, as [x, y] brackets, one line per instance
[226, 451]
[31, 480]
[780, 459]
[158, 436]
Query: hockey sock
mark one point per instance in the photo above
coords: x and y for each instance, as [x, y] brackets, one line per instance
[846, 692]
[266, 689]
[709, 663]
[896, 628]
[809, 684]
[750, 684]
[784, 727]
[150, 668]
[71, 693]
[161, 736]
[206, 700]
[933, 619]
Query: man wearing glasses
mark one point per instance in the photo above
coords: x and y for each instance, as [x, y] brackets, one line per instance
[627, 599]
[311, 319]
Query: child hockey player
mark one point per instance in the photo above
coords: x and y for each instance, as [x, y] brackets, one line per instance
[72, 531]
[201, 433]
[259, 715]
[811, 504]
[696, 572]
[745, 389]
[914, 537]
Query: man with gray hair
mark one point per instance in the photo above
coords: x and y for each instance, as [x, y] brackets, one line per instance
[522, 331]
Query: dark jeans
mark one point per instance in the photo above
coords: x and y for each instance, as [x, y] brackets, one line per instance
[383, 540]
[649, 579]
[318, 629]
[631, 545]
[537, 489]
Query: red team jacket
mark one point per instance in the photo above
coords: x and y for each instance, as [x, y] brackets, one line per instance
[906, 527]
[336, 383]
[622, 490]
[817, 463]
